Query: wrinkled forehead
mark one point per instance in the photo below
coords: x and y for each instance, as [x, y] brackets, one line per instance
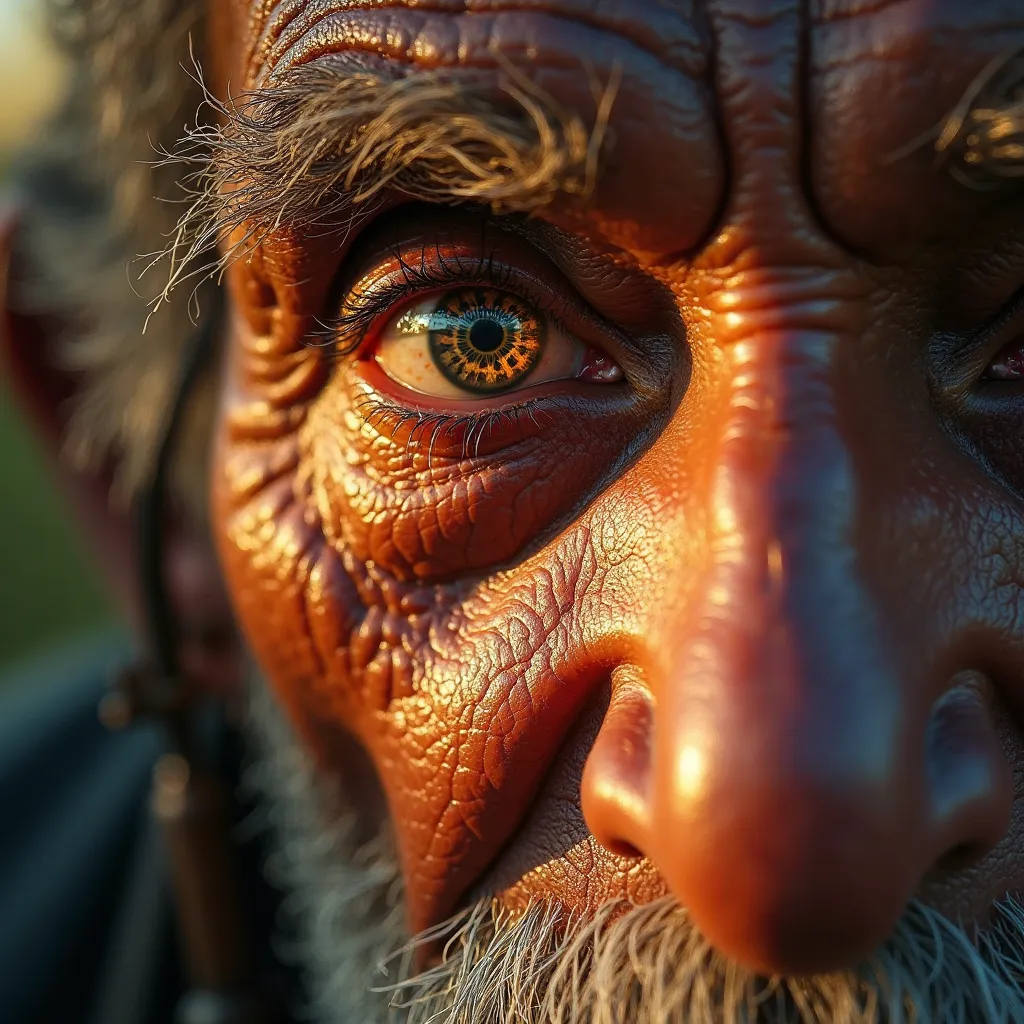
[832, 93]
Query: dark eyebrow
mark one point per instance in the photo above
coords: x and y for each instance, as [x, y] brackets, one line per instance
[326, 139]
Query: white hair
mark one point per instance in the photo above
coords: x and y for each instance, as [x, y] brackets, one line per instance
[638, 964]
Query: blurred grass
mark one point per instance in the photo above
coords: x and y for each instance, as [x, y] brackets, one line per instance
[49, 589]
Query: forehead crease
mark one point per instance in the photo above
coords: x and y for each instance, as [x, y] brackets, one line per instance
[884, 73]
[927, 50]
[976, 19]
[670, 30]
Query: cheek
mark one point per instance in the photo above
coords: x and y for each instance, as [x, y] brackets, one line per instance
[438, 681]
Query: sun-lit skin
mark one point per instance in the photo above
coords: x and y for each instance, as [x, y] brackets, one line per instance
[748, 627]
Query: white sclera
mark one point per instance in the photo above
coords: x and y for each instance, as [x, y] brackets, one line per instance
[403, 353]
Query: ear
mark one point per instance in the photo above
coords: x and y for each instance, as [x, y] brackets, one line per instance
[208, 650]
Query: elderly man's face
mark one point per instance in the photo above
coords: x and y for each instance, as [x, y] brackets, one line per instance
[668, 540]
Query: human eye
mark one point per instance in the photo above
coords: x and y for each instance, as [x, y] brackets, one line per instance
[479, 385]
[456, 321]
[982, 387]
[479, 341]
[1008, 365]
[1001, 345]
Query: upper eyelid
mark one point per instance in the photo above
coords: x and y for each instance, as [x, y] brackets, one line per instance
[380, 299]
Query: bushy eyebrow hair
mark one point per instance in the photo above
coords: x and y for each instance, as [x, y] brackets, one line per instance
[327, 140]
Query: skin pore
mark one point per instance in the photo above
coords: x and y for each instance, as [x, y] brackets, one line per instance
[695, 660]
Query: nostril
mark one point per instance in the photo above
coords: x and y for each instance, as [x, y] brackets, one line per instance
[961, 856]
[970, 781]
[620, 848]
[614, 789]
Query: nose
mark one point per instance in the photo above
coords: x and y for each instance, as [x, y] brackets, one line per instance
[791, 766]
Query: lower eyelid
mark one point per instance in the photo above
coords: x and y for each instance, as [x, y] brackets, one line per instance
[492, 423]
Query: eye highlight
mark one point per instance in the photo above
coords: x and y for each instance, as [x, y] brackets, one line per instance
[1009, 364]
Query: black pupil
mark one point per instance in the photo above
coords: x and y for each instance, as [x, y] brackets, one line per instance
[486, 335]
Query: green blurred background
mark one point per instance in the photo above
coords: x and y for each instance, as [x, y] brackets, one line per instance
[49, 590]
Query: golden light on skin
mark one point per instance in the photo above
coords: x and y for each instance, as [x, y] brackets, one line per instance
[775, 562]
[731, 317]
[726, 523]
[727, 541]
[691, 771]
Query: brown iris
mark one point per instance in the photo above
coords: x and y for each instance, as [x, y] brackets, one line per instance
[485, 340]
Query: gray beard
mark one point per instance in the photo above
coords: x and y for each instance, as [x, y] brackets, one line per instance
[636, 964]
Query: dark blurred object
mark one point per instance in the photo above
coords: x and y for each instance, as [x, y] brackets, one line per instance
[73, 798]
[191, 797]
[87, 916]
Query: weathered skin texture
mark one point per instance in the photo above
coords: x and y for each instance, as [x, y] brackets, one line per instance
[751, 629]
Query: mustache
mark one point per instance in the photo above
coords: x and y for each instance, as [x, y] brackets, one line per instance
[649, 965]
[641, 964]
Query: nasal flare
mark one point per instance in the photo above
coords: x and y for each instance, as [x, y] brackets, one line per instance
[794, 847]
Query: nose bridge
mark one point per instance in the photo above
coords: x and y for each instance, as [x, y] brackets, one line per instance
[784, 514]
[788, 766]
[780, 715]
[779, 721]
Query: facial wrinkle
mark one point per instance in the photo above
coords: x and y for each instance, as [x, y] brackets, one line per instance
[759, 83]
[675, 34]
[806, 152]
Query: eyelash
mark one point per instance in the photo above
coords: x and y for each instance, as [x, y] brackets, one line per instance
[362, 311]
[380, 412]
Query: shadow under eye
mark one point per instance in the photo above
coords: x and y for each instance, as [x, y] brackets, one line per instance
[432, 490]
[453, 428]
